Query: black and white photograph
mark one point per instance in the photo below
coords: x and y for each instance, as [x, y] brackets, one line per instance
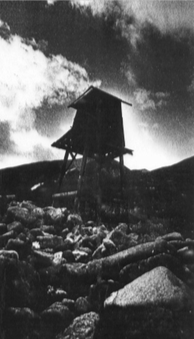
[97, 169]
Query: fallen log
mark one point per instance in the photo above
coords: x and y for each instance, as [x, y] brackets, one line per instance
[109, 267]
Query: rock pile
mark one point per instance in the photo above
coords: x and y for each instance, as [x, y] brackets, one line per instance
[61, 278]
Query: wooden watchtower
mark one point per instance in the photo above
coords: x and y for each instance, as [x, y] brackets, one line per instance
[97, 132]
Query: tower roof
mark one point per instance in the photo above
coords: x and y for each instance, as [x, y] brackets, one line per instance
[92, 96]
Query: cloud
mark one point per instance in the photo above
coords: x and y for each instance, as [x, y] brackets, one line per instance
[142, 137]
[143, 101]
[30, 83]
[131, 16]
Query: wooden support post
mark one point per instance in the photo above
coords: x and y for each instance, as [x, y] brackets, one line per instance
[63, 168]
[80, 179]
[99, 193]
[121, 172]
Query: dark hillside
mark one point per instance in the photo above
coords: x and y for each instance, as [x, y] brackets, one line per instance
[166, 193]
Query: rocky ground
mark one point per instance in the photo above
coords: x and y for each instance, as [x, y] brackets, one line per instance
[61, 278]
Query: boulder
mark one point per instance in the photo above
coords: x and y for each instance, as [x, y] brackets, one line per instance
[21, 323]
[155, 305]
[28, 205]
[186, 255]
[55, 295]
[38, 213]
[132, 271]
[68, 255]
[5, 237]
[54, 216]
[70, 303]
[57, 313]
[36, 232]
[73, 220]
[81, 256]
[10, 254]
[48, 229]
[23, 248]
[121, 240]
[82, 305]
[124, 228]
[42, 259]
[82, 327]
[158, 287]
[21, 214]
[68, 244]
[22, 283]
[55, 319]
[109, 245]
[64, 232]
[15, 226]
[50, 241]
[3, 228]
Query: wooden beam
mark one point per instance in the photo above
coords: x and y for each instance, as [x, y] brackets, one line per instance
[63, 168]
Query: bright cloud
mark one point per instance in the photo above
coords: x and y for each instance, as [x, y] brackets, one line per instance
[29, 79]
[141, 138]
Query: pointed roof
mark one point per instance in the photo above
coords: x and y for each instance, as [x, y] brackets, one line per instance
[92, 96]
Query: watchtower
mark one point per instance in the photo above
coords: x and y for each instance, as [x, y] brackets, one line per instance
[97, 132]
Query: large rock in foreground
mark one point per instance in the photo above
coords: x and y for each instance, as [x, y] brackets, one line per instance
[158, 287]
[155, 305]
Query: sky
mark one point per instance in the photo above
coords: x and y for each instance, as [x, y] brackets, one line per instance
[141, 51]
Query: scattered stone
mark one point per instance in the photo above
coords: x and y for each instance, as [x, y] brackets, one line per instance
[70, 303]
[73, 220]
[42, 259]
[186, 255]
[56, 294]
[68, 255]
[15, 226]
[121, 240]
[21, 214]
[82, 327]
[35, 232]
[48, 229]
[6, 236]
[9, 254]
[64, 232]
[54, 320]
[81, 256]
[28, 205]
[23, 248]
[123, 228]
[54, 216]
[57, 314]
[82, 305]
[90, 223]
[3, 228]
[109, 245]
[68, 244]
[20, 323]
[50, 241]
